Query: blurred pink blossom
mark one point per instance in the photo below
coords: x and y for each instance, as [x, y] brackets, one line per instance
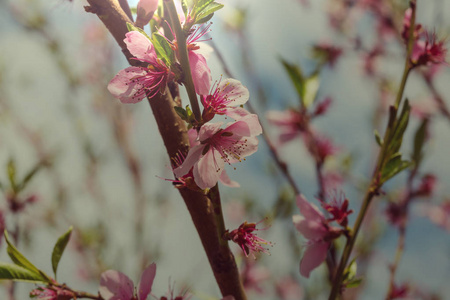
[115, 285]
[287, 288]
[313, 226]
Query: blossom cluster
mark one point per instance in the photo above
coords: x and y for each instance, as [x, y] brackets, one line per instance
[213, 144]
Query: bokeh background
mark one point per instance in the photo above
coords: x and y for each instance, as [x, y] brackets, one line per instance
[100, 163]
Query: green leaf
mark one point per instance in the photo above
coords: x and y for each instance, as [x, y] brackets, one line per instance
[353, 283]
[378, 138]
[29, 176]
[17, 257]
[350, 271]
[296, 76]
[185, 8]
[20, 260]
[200, 5]
[310, 89]
[131, 27]
[206, 14]
[396, 137]
[11, 170]
[163, 49]
[394, 166]
[181, 112]
[59, 248]
[419, 141]
[15, 272]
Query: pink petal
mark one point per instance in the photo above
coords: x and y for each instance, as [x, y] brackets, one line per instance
[309, 229]
[314, 255]
[236, 113]
[193, 137]
[227, 181]
[234, 91]
[208, 169]
[148, 5]
[123, 88]
[208, 130]
[146, 282]
[309, 210]
[140, 46]
[247, 126]
[115, 285]
[193, 156]
[281, 118]
[201, 74]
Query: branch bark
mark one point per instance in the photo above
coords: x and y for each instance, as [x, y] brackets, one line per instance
[174, 135]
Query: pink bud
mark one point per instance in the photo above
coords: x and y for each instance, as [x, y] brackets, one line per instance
[145, 11]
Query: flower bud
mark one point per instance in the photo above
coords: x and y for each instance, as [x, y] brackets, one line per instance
[145, 11]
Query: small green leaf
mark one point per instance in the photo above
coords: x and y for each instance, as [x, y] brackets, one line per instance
[353, 283]
[394, 166]
[419, 141]
[29, 176]
[185, 8]
[310, 89]
[59, 248]
[206, 14]
[17, 257]
[378, 138]
[296, 76]
[11, 170]
[131, 27]
[20, 260]
[396, 136]
[181, 112]
[163, 49]
[200, 5]
[15, 272]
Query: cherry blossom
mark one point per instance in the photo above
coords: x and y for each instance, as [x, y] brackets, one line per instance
[115, 285]
[132, 84]
[313, 226]
[245, 237]
[218, 146]
[226, 99]
[198, 54]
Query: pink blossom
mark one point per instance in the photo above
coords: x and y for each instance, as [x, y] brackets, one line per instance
[253, 276]
[198, 53]
[338, 208]
[132, 84]
[52, 293]
[291, 123]
[219, 146]
[407, 25]
[427, 186]
[228, 95]
[313, 226]
[245, 237]
[322, 107]
[187, 180]
[328, 53]
[145, 11]
[287, 288]
[429, 51]
[319, 146]
[115, 285]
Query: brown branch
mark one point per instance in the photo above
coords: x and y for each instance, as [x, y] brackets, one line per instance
[173, 132]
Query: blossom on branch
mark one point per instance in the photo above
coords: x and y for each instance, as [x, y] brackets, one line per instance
[313, 226]
[133, 84]
[218, 146]
[226, 98]
[245, 237]
[115, 285]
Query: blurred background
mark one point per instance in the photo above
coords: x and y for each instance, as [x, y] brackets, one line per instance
[99, 165]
